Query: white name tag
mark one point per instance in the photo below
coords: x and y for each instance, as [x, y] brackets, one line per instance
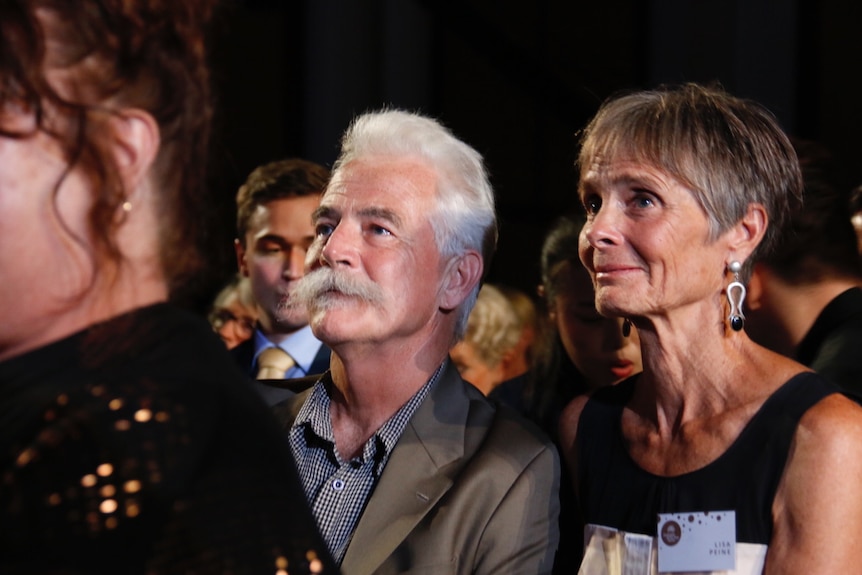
[704, 541]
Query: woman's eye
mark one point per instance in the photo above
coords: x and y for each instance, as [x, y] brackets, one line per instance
[644, 199]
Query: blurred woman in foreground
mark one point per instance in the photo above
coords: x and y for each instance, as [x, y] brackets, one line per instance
[130, 443]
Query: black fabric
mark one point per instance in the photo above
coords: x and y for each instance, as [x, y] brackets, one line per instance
[136, 447]
[833, 345]
[615, 492]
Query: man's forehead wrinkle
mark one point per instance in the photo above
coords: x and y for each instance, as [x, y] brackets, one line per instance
[380, 212]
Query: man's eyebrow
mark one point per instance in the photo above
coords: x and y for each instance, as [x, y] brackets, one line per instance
[324, 212]
[380, 213]
[270, 238]
[373, 212]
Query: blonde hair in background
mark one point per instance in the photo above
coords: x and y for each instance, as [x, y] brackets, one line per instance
[239, 287]
[493, 327]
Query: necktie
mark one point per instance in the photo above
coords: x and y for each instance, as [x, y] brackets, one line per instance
[273, 363]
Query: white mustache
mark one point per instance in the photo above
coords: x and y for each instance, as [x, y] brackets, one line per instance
[315, 288]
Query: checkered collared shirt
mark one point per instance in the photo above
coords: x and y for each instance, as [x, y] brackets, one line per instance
[336, 489]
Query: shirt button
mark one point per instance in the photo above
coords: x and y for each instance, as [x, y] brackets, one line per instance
[337, 484]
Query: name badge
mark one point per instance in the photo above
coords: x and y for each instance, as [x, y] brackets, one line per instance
[704, 541]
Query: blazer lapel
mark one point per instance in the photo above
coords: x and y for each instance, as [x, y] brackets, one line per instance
[421, 469]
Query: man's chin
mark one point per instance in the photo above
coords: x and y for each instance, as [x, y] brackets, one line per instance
[292, 321]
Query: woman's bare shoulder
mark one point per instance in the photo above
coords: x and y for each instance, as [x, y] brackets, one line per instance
[834, 421]
[818, 507]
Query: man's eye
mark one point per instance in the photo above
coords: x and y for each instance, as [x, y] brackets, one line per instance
[380, 230]
[322, 229]
[592, 204]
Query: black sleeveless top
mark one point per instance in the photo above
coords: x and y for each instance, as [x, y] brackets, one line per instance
[615, 492]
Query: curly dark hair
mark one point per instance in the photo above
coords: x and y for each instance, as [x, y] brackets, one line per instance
[144, 54]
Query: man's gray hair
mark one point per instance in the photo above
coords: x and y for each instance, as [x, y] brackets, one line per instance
[465, 218]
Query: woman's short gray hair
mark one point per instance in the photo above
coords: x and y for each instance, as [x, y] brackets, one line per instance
[729, 151]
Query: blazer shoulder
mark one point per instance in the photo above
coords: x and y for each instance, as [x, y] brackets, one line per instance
[501, 438]
[521, 434]
[488, 425]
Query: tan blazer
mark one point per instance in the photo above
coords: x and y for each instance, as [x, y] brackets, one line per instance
[468, 489]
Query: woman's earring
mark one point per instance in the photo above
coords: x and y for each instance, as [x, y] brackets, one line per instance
[736, 296]
[627, 327]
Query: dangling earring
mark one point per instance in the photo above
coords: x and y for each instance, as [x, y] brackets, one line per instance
[735, 296]
[627, 327]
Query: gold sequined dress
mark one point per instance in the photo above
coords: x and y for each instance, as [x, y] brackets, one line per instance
[136, 447]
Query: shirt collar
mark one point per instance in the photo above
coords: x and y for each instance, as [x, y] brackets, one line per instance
[314, 413]
[301, 345]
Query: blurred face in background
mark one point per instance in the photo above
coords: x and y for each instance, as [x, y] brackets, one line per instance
[233, 320]
[594, 343]
[272, 256]
[484, 376]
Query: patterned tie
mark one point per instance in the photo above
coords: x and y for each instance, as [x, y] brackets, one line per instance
[273, 363]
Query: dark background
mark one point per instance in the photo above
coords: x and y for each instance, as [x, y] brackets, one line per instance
[516, 80]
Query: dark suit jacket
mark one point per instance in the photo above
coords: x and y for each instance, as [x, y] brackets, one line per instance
[469, 488]
[833, 345]
[272, 391]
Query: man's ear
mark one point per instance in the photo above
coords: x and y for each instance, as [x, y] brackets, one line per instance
[241, 264]
[136, 140]
[507, 360]
[462, 275]
[748, 232]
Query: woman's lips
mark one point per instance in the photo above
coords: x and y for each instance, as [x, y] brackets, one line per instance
[612, 274]
[622, 369]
